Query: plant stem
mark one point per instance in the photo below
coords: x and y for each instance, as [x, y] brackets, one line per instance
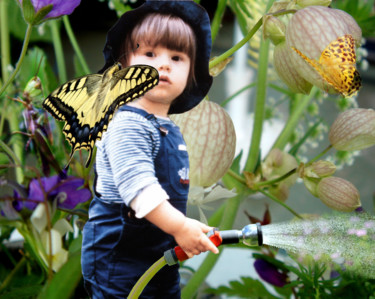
[293, 120]
[280, 203]
[16, 140]
[216, 22]
[236, 176]
[259, 107]
[20, 60]
[248, 36]
[5, 41]
[274, 181]
[75, 45]
[232, 50]
[10, 153]
[320, 155]
[59, 52]
[226, 101]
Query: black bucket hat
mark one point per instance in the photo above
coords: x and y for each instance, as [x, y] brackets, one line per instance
[194, 15]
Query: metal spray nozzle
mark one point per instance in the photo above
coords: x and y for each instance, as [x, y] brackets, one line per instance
[252, 235]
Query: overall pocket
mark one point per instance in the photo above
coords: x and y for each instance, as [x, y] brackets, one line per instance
[178, 171]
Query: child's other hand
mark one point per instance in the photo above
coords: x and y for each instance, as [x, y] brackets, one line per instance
[192, 238]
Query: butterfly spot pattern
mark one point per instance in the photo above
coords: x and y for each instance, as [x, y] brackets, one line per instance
[337, 65]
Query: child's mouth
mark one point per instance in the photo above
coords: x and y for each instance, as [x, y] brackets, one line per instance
[164, 79]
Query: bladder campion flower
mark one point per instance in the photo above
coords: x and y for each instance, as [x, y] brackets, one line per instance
[320, 48]
[312, 174]
[211, 140]
[353, 130]
[338, 194]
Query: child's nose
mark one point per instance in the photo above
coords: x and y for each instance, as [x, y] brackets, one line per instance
[164, 64]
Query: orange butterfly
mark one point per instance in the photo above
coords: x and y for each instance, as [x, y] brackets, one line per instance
[337, 65]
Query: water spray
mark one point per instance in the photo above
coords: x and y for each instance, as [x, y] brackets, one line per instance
[347, 239]
[250, 235]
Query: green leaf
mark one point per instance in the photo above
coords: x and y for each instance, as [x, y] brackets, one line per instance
[28, 11]
[246, 288]
[65, 281]
[42, 13]
[36, 64]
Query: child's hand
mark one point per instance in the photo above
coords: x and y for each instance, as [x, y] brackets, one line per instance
[189, 234]
[192, 238]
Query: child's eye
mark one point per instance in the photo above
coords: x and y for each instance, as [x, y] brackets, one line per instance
[149, 54]
[176, 58]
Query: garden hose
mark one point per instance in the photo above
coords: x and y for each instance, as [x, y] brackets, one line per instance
[250, 235]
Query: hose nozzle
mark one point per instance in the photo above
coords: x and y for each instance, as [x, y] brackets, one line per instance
[252, 235]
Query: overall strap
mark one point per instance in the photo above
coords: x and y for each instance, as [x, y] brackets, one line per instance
[151, 117]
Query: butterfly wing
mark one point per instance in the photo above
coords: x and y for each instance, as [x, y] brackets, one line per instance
[338, 61]
[87, 104]
[336, 65]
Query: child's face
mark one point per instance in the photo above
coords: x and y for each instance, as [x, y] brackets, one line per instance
[173, 67]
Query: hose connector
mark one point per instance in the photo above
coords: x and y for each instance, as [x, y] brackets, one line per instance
[252, 235]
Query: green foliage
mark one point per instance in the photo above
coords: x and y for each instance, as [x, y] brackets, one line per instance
[362, 11]
[65, 281]
[247, 287]
[36, 64]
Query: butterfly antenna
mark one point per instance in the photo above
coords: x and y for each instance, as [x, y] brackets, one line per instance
[70, 159]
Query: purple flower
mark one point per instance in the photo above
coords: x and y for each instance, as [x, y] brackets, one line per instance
[270, 273]
[60, 7]
[46, 9]
[65, 191]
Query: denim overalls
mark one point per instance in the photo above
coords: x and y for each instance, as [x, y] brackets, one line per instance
[118, 248]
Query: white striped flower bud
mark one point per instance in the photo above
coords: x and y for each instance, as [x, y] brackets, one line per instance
[353, 130]
[210, 137]
[338, 194]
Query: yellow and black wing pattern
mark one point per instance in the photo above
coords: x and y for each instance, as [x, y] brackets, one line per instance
[87, 104]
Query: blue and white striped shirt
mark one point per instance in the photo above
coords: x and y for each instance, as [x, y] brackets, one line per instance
[125, 157]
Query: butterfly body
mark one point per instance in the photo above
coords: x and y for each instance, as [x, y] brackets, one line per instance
[87, 104]
[336, 65]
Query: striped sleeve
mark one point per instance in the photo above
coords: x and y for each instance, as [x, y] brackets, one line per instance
[125, 157]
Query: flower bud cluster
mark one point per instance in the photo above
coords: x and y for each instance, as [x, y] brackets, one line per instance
[335, 192]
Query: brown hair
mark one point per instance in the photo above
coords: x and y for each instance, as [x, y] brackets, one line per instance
[163, 30]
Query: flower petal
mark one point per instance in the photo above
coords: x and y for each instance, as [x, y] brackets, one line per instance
[270, 273]
[60, 7]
